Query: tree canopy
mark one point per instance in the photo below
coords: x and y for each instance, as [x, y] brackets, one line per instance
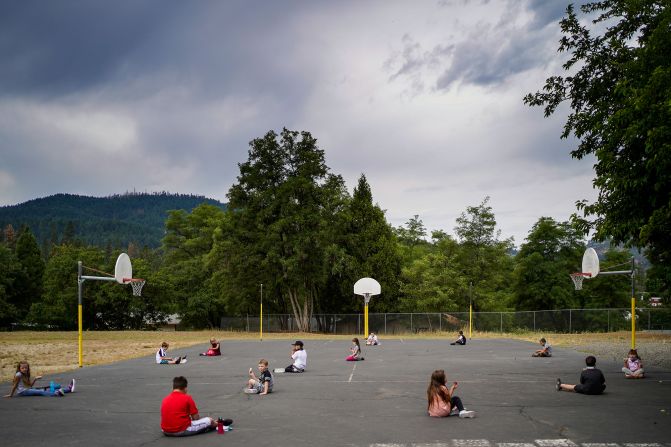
[618, 86]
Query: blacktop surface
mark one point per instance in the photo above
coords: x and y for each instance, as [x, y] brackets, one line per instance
[380, 401]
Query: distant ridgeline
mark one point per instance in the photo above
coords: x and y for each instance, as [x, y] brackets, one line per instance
[112, 221]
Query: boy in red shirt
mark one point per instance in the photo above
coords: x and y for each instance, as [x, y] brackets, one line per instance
[179, 414]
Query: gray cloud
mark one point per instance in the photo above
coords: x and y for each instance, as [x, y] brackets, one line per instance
[426, 99]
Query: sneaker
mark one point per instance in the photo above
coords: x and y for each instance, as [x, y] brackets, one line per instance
[178, 360]
[454, 412]
[72, 386]
[184, 357]
[226, 422]
[59, 392]
[466, 414]
[558, 386]
[250, 391]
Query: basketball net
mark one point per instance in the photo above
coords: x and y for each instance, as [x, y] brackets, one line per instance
[578, 278]
[137, 284]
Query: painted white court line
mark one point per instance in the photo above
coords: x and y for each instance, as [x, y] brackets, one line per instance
[402, 340]
[538, 443]
[350, 376]
[555, 443]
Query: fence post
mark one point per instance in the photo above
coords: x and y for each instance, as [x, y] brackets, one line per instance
[501, 315]
[358, 323]
[335, 324]
[608, 327]
[569, 321]
[534, 321]
[440, 322]
[649, 312]
[247, 322]
[411, 323]
[385, 323]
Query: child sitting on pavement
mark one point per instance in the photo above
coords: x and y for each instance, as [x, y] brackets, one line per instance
[461, 340]
[545, 351]
[592, 380]
[163, 359]
[179, 414]
[263, 384]
[633, 366]
[215, 348]
[442, 401]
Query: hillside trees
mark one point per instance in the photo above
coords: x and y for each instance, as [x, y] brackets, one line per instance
[29, 283]
[618, 85]
[186, 276]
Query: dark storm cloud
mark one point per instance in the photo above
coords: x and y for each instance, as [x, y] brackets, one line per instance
[58, 48]
[55, 48]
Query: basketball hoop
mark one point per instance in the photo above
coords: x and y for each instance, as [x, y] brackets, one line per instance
[136, 284]
[578, 277]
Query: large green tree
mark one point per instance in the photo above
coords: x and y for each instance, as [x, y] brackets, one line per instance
[186, 276]
[618, 86]
[282, 208]
[551, 252]
[484, 259]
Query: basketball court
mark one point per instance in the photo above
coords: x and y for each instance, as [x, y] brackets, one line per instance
[378, 401]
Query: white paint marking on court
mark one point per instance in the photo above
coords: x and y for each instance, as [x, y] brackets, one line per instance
[431, 444]
[350, 376]
[555, 443]
[515, 444]
[470, 443]
[387, 445]
[402, 340]
[599, 444]
[652, 444]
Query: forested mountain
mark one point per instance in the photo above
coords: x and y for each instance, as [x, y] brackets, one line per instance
[113, 221]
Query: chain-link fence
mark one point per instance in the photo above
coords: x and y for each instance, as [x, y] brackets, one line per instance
[563, 321]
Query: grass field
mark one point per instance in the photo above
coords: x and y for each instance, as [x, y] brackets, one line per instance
[51, 352]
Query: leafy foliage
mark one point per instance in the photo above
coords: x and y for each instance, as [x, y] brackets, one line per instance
[619, 89]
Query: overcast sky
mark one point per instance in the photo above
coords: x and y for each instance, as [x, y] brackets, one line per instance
[423, 97]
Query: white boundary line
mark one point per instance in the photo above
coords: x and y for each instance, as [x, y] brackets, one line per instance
[350, 376]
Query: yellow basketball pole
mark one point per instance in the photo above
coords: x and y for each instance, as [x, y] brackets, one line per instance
[365, 319]
[633, 323]
[80, 283]
[261, 317]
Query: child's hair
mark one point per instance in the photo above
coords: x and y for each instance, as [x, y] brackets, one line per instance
[634, 352]
[164, 344]
[543, 340]
[179, 383]
[437, 388]
[461, 332]
[590, 360]
[213, 340]
[356, 340]
[25, 378]
[263, 362]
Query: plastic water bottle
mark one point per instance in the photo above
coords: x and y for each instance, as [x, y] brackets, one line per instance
[52, 387]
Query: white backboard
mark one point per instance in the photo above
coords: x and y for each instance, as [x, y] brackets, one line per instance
[590, 262]
[367, 286]
[123, 268]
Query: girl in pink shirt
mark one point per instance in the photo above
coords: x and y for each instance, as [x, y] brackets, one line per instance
[633, 366]
[442, 400]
